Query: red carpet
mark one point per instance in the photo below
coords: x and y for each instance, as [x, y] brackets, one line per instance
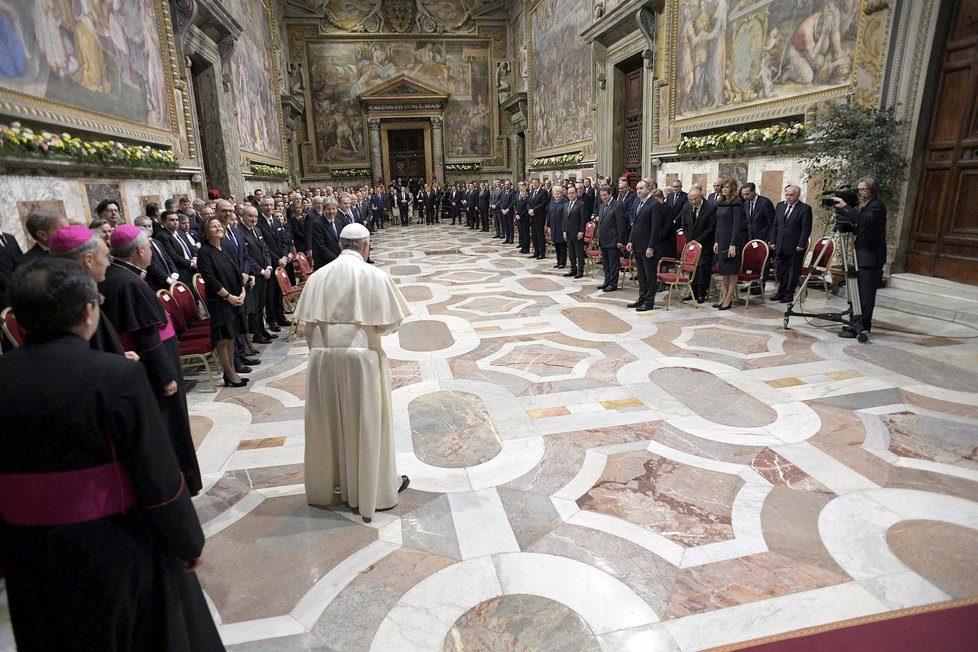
[945, 627]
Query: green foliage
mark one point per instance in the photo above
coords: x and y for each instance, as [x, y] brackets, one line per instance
[854, 142]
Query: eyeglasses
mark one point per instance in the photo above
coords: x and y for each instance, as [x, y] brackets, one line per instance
[98, 301]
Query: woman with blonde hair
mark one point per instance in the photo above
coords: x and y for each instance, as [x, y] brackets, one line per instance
[731, 236]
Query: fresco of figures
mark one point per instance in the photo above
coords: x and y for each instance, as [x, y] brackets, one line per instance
[255, 80]
[560, 74]
[738, 52]
[102, 56]
[339, 71]
[519, 53]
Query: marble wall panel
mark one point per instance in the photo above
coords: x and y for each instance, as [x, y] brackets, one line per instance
[16, 189]
[772, 185]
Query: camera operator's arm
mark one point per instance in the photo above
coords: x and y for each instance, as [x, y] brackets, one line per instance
[844, 209]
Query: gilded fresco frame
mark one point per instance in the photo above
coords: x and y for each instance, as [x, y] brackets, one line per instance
[247, 156]
[58, 115]
[301, 37]
[774, 108]
[586, 145]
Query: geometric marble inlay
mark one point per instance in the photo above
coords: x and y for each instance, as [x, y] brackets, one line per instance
[925, 546]
[688, 505]
[520, 622]
[452, 430]
[596, 320]
[727, 340]
[541, 360]
[727, 405]
[491, 305]
[932, 438]
[425, 335]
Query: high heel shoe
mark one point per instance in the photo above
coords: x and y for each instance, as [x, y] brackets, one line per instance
[240, 383]
[726, 307]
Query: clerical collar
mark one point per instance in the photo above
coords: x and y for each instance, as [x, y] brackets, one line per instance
[125, 264]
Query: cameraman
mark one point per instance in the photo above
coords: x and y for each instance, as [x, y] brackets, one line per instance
[869, 225]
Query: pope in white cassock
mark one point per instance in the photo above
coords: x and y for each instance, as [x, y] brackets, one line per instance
[345, 308]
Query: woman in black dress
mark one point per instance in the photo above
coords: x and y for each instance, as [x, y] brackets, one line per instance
[731, 236]
[225, 296]
[522, 219]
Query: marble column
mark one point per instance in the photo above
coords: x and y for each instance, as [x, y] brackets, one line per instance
[376, 163]
[519, 157]
[438, 149]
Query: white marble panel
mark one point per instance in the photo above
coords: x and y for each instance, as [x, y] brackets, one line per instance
[589, 473]
[853, 528]
[423, 615]
[259, 630]
[481, 524]
[640, 536]
[581, 587]
[773, 616]
[649, 638]
[314, 602]
[904, 590]
[832, 473]
[233, 514]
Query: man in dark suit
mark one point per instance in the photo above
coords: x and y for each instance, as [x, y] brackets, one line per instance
[484, 203]
[325, 235]
[178, 251]
[677, 198]
[263, 265]
[645, 233]
[10, 257]
[507, 202]
[272, 230]
[714, 196]
[612, 233]
[575, 221]
[41, 227]
[870, 246]
[536, 209]
[699, 220]
[588, 196]
[789, 241]
[161, 271]
[472, 205]
[759, 213]
[628, 200]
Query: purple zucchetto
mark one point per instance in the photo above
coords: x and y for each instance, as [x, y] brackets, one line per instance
[123, 235]
[69, 238]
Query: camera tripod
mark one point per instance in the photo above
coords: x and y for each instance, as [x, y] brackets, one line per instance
[850, 317]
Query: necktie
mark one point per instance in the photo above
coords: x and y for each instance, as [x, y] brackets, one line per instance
[696, 214]
[159, 252]
[674, 196]
[750, 208]
[3, 240]
[186, 249]
[787, 213]
[332, 225]
[233, 239]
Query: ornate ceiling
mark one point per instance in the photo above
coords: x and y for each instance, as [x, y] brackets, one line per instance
[395, 16]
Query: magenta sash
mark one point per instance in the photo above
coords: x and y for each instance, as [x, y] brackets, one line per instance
[65, 497]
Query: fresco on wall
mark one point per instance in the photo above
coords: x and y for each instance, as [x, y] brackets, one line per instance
[732, 53]
[100, 56]
[518, 56]
[339, 71]
[255, 80]
[560, 74]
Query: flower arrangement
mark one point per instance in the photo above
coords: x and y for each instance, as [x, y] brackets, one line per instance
[463, 167]
[16, 140]
[272, 171]
[559, 161]
[350, 172]
[775, 134]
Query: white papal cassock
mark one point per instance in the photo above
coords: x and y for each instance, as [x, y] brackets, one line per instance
[346, 307]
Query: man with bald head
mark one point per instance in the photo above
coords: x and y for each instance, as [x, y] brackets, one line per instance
[789, 241]
[699, 221]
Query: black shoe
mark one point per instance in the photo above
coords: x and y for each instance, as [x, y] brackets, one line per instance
[242, 369]
[785, 300]
[261, 339]
[756, 290]
[716, 305]
[634, 304]
[405, 481]
[274, 328]
[370, 261]
[562, 267]
[661, 287]
[611, 289]
[726, 307]
[573, 272]
[284, 323]
[644, 308]
[250, 361]
[777, 297]
[270, 335]
[228, 383]
[577, 276]
[556, 266]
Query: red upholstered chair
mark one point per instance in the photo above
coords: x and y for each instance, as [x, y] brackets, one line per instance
[11, 329]
[188, 305]
[290, 295]
[195, 350]
[627, 262]
[818, 265]
[680, 240]
[752, 266]
[674, 272]
[592, 248]
[301, 263]
[184, 331]
[199, 289]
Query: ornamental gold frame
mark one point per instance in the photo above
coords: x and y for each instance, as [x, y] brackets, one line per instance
[59, 115]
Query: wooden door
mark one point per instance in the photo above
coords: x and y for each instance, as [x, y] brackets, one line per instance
[632, 146]
[406, 149]
[944, 237]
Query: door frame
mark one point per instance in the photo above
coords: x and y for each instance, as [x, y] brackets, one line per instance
[397, 125]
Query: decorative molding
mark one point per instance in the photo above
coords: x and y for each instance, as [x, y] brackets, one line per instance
[872, 6]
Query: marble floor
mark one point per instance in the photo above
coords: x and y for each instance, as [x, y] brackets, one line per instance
[585, 477]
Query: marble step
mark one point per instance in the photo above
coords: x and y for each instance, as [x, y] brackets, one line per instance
[936, 306]
[933, 285]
